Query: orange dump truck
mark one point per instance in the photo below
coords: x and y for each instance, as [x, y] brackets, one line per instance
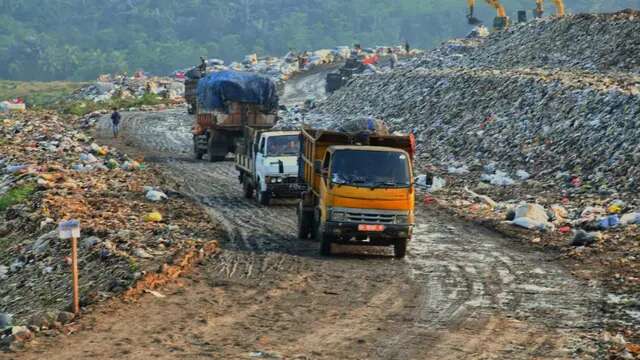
[361, 189]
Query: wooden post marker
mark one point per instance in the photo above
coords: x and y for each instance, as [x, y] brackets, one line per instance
[71, 230]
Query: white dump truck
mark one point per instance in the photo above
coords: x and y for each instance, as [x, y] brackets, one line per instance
[268, 162]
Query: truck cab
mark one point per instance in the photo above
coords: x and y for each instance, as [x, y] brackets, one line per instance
[269, 166]
[359, 194]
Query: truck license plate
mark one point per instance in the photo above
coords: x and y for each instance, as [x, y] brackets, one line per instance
[371, 228]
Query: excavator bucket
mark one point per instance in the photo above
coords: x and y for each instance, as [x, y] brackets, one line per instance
[474, 20]
[501, 22]
[522, 16]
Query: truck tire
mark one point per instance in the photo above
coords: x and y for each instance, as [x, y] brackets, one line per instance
[400, 248]
[198, 153]
[305, 221]
[217, 147]
[247, 189]
[325, 242]
[264, 198]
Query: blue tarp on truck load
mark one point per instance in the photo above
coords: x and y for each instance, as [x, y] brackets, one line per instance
[219, 87]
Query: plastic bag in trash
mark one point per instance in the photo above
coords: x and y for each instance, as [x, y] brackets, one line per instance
[155, 196]
[532, 224]
[153, 217]
[630, 219]
[608, 222]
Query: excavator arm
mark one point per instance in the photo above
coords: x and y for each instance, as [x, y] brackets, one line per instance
[501, 12]
[539, 10]
[559, 7]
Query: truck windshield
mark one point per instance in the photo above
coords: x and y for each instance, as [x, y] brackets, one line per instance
[285, 145]
[375, 169]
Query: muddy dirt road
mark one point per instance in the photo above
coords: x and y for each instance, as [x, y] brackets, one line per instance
[462, 293]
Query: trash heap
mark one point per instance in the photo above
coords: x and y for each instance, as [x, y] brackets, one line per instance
[281, 69]
[589, 42]
[131, 222]
[534, 129]
[124, 87]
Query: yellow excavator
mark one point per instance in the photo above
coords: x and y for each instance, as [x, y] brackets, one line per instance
[539, 10]
[499, 23]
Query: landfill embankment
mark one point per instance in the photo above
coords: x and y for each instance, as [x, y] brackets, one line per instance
[132, 222]
[544, 153]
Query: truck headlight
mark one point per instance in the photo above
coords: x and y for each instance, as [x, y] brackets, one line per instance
[338, 216]
[402, 219]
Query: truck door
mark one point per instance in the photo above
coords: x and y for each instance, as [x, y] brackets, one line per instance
[259, 159]
[324, 187]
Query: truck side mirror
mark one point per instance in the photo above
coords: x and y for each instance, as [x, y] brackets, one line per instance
[317, 166]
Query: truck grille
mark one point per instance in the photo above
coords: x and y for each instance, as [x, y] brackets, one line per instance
[370, 218]
[290, 180]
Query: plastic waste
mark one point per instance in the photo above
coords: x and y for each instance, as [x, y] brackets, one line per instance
[559, 212]
[12, 169]
[88, 158]
[630, 219]
[565, 229]
[131, 165]
[532, 224]
[616, 207]
[583, 238]
[99, 150]
[112, 164]
[462, 170]
[608, 222]
[156, 196]
[153, 217]
[523, 175]
[438, 184]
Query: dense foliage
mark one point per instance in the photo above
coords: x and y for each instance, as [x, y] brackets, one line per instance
[79, 39]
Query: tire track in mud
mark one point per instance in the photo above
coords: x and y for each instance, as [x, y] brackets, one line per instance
[472, 293]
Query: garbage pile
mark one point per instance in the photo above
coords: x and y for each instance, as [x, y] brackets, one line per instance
[131, 222]
[535, 129]
[589, 42]
[13, 105]
[281, 69]
[124, 87]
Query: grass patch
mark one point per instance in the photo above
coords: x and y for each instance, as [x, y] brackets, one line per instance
[17, 195]
[38, 94]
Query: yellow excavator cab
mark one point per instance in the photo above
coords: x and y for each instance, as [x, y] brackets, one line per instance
[499, 23]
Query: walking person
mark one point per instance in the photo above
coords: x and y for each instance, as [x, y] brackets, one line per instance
[407, 47]
[115, 122]
[393, 58]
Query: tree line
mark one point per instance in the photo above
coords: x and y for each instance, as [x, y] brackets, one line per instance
[80, 39]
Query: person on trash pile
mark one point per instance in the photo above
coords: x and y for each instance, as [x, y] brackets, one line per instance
[203, 65]
[393, 58]
[407, 47]
[115, 122]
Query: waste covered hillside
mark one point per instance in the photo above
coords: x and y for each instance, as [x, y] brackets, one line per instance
[594, 42]
[553, 124]
[536, 132]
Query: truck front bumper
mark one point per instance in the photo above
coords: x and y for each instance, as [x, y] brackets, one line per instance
[286, 190]
[349, 233]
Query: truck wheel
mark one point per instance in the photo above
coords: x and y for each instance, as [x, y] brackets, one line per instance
[217, 147]
[325, 243]
[400, 248]
[305, 220]
[264, 198]
[247, 189]
[196, 149]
